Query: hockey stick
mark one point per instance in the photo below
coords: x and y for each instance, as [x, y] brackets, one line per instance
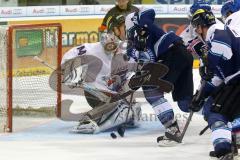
[204, 130]
[43, 62]
[121, 130]
[175, 138]
[199, 95]
[186, 127]
[82, 85]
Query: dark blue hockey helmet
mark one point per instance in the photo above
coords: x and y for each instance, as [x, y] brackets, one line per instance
[200, 4]
[229, 7]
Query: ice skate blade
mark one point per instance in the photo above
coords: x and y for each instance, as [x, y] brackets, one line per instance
[77, 131]
[168, 143]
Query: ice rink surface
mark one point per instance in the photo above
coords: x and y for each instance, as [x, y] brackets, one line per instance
[51, 139]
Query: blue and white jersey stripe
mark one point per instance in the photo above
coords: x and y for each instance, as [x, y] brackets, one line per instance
[224, 52]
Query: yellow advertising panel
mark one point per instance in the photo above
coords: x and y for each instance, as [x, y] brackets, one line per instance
[76, 31]
[148, 1]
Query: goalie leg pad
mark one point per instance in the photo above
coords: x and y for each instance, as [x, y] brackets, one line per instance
[115, 117]
[119, 116]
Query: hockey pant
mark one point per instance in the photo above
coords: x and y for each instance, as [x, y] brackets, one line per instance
[180, 63]
[114, 118]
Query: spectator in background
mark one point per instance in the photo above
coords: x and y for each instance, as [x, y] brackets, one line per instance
[122, 7]
[87, 2]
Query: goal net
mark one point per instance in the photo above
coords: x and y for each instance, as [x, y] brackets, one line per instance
[24, 79]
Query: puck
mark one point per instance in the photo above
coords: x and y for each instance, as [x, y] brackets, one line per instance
[121, 131]
[113, 135]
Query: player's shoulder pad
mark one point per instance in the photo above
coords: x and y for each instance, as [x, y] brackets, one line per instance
[146, 16]
[211, 31]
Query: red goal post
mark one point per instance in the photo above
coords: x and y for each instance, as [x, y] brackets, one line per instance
[24, 79]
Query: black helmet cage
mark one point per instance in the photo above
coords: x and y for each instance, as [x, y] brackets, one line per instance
[203, 18]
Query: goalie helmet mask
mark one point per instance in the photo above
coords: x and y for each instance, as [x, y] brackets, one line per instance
[203, 18]
[110, 42]
[110, 38]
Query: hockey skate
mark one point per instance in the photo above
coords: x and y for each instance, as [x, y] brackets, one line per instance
[234, 148]
[172, 136]
[86, 127]
[228, 156]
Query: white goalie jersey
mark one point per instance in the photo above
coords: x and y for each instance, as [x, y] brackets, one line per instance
[104, 72]
[90, 65]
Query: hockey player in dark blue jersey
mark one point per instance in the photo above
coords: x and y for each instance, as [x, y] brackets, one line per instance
[223, 89]
[194, 43]
[152, 44]
[230, 12]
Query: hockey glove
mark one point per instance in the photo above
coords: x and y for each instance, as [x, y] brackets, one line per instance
[197, 102]
[138, 79]
[205, 73]
[198, 98]
[197, 47]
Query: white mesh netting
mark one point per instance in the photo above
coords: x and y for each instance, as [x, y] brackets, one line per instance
[3, 79]
[31, 89]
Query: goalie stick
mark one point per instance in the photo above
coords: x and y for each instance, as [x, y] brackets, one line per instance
[43, 62]
[122, 128]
